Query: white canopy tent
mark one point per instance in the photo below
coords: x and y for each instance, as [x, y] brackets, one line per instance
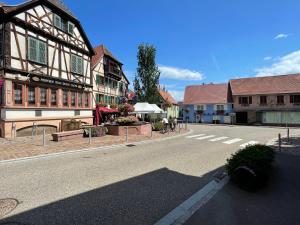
[143, 108]
[157, 110]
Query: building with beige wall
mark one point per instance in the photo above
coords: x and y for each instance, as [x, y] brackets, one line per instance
[45, 72]
[109, 82]
[168, 104]
[267, 100]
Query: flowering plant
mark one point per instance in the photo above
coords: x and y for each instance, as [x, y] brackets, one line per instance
[126, 108]
[126, 120]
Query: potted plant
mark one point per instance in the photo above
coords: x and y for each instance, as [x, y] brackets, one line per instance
[126, 108]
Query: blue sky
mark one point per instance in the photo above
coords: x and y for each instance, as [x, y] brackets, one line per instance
[197, 41]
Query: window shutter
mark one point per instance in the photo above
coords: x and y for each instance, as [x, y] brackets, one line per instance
[97, 98]
[42, 53]
[79, 65]
[70, 28]
[250, 100]
[32, 51]
[57, 21]
[73, 64]
[240, 100]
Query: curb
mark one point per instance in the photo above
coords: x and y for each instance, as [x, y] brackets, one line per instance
[93, 149]
[185, 210]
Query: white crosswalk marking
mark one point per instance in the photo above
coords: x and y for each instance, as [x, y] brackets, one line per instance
[235, 140]
[219, 139]
[193, 136]
[249, 143]
[206, 137]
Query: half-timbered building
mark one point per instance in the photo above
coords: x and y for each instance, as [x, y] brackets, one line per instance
[45, 72]
[110, 84]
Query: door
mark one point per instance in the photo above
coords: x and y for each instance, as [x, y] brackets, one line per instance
[242, 117]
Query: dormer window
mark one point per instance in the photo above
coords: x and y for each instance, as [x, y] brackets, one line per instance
[71, 28]
[57, 21]
[63, 24]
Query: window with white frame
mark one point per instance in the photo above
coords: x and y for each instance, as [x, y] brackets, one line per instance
[37, 50]
[199, 107]
[71, 28]
[220, 107]
[63, 24]
[76, 64]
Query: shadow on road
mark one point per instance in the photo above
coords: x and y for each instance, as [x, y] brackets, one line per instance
[140, 200]
[277, 203]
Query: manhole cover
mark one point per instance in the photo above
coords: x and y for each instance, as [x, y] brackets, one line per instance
[130, 145]
[7, 206]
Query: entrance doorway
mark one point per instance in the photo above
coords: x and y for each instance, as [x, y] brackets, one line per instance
[242, 117]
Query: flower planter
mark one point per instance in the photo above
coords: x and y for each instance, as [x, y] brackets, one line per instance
[139, 129]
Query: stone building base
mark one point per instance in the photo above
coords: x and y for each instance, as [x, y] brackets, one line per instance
[25, 127]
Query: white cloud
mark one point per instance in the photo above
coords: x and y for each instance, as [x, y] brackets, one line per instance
[178, 95]
[281, 36]
[179, 73]
[268, 58]
[287, 64]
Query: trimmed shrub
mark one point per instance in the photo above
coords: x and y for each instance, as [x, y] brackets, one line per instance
[251, 167]
[158, 126]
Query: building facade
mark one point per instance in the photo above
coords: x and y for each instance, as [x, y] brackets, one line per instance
[168, 104]
[110, 84]
[45, 72]
[207, 103]
[271, 100]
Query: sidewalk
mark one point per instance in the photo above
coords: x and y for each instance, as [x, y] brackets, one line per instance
[277, 203]
[26, 147]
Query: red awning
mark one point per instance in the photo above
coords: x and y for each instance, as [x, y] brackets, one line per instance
[107, 110]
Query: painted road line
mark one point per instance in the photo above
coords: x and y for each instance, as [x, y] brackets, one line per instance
[249, 144]
[219, 139]
[184, 211]
[206, 137]
[193, 136]
[232, 141]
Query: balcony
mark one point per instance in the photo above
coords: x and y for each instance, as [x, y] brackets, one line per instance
[112, 70]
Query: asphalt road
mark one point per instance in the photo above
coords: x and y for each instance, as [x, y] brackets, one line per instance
[137, 185]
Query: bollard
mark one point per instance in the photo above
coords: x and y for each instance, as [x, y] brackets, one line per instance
[279, 142]
[90, 135]
[288, 134]
[151, 130]
[186, 126]
[44, 137]
[14, 131]
[126, 134]
[33, 131]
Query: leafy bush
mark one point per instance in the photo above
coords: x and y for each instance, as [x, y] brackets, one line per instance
[129, 120]
[158, 126]
[251, 167]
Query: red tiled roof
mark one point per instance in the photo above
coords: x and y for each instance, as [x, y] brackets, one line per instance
[206, 94]
[167, 97]
[100, 51]
[266, 85]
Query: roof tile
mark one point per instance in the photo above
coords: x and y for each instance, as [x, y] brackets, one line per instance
[206, 94]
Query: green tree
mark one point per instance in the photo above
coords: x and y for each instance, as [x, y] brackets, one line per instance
[147, 78]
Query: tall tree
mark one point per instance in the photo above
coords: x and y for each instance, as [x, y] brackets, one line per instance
[147, 78]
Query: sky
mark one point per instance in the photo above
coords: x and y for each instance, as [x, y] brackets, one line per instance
[197, 41]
